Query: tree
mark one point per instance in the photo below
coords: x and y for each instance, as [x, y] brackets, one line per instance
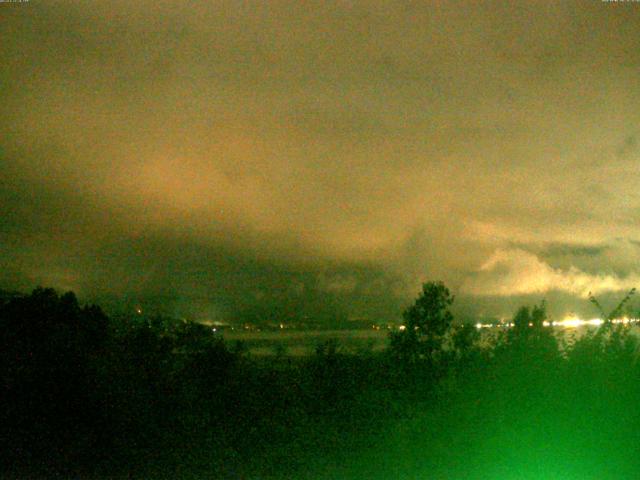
[616, 312]
[464, 339]
[50, 350]
[529, 339]
[613, 341]
[426, 325]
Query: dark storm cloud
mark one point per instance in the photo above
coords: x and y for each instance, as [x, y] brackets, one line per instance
[565, 249]
[182, 149]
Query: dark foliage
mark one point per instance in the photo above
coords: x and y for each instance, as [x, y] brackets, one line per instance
[85, 396]
[427, 323]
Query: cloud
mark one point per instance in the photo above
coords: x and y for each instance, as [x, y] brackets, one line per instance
[518, 272]
[231, 147]
[337, 283]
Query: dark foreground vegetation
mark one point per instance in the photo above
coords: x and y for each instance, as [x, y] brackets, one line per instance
[87, 396]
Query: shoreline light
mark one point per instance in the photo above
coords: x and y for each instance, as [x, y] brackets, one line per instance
[568, 322]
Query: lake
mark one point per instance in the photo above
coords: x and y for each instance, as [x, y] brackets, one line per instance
[304, 342]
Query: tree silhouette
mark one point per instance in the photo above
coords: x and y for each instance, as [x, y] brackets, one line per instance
[426, 325]
[616, 312]
[529, 340]
[49, 348]
[464, 339]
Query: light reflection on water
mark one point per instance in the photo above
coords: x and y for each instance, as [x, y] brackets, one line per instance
[301, 343]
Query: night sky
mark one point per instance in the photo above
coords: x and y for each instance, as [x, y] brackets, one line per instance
[320, 160]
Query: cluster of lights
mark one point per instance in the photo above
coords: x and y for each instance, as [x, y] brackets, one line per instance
[569, 322]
